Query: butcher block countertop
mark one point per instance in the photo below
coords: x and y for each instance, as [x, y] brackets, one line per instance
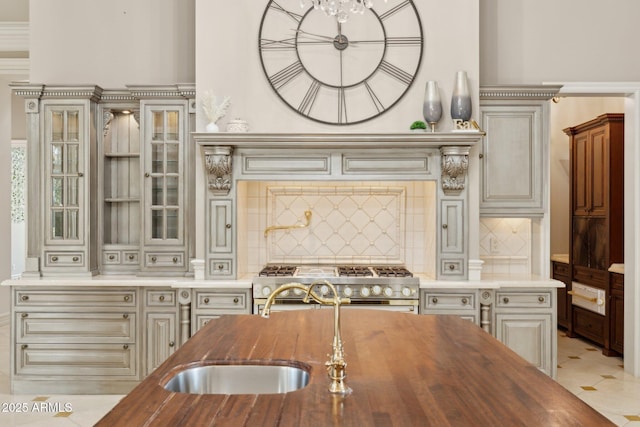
[404, 370]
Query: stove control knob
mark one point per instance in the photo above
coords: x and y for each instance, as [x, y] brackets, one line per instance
[297, 291]
[406, 291]
[266, 291]
[347, 291]
[365, 292]
[377, 290]
[388, 291]
[324, 289]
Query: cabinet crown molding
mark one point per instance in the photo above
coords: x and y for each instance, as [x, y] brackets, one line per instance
[519, 92]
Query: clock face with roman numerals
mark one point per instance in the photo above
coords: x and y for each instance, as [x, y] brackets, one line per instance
[340, 73]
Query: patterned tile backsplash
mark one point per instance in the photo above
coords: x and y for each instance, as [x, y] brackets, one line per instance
[351, 222]
[505, 245]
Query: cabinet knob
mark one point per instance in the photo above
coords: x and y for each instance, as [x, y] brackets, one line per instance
[505, 300]
[161, 298]
[125, 316]
[445, 226]
[175, 259]
[127, 297]
[126, 346]
[228, 225]
[540, 299]
[24, 346]
[464, 301]
[481, 155]
[54, 258]
[75, 259]
[206, 300]
[172, 344]
[80, 174]
[147, 175]
[25, 314]
[112, 257]
[131, 257]
[236, 300]
[452, 267]
[220, 267]
[154, 259]
[25, 298]
[434, 300]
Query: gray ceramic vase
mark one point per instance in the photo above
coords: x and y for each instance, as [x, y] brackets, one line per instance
[432, 107]
[461, 98]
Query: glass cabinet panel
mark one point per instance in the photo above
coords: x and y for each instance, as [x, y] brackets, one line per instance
[64, 173]
[164, 182]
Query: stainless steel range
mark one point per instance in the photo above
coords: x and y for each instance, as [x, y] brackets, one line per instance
[388, 287]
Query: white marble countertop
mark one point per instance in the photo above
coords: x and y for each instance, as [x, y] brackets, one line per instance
[487, 282]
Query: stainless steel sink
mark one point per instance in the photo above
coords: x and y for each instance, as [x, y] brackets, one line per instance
[239, 379]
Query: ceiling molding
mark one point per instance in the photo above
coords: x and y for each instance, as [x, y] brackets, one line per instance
[598, 88]
[14, 36]
[14, 66]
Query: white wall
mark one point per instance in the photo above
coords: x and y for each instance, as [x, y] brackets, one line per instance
[112, 43]
[227, 63]
[566, 113]
[558, 41]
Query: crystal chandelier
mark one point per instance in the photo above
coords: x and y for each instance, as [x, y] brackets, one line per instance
[340, 8]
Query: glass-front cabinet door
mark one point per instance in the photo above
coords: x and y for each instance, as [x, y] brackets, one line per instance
[164, 186]
[64, 183]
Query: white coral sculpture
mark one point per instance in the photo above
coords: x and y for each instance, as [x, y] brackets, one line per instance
[212, 109]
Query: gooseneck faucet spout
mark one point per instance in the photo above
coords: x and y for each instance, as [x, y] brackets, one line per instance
[336, 365]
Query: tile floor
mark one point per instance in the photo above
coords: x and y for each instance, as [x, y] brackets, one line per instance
[582, 369]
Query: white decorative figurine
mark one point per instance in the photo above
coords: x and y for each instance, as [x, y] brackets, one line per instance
[213, 110]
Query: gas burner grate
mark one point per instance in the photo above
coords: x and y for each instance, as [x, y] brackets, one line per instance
[392, 272]
[277, 270]
[354, 271]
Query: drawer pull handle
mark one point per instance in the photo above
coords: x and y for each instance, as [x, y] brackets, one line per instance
[434, 300]
[236, 300]
[590, 299]
[24, 346]
[153, 259]
[54, 258]
[125, 347]
[25, 314]
[175, 259]
[161, 298]
[25, 298]
[541, 299]
[464, 301]
[127, 297]
[206, 300]
[172, 344]
[125, 316]
[505, 300]
[75, 259]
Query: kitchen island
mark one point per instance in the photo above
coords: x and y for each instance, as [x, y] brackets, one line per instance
[404, 370]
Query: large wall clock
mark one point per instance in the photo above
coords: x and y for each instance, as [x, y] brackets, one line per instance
[340, 73]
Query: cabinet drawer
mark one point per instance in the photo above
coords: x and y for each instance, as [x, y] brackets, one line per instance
[75, 327]
[120, 257]
[64, 259]
[202, 320]
[589, 324]
[540, 299]
[452, 267]
[76, 360]
[223, 301]
[589, 276]
[89, 299]
[561, 270]
[130, 257]
[161, 298]
[434, 301]
[617, 281]
[220, 267]
[111, 257]
[164, 259]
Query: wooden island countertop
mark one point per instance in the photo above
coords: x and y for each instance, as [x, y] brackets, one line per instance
[404, 370]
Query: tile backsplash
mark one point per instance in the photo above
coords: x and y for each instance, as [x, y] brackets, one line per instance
[352, 222]
[505, 245]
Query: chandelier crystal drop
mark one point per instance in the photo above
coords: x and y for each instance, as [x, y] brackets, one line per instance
[340, 8]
